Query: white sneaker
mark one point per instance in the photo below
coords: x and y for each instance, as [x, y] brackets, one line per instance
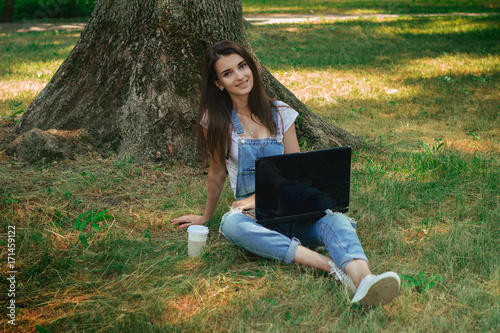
[342, 277]
[377, 289]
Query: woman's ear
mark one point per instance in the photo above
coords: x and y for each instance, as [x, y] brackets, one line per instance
[220, 86]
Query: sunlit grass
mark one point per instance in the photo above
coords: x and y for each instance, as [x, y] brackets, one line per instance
[395, 82]
[22, 79]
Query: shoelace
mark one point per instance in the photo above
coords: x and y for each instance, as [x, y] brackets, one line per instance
[342, 277]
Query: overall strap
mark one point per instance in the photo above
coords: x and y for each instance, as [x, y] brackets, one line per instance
[236, 123]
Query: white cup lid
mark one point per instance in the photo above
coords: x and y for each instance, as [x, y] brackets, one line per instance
[198, 230]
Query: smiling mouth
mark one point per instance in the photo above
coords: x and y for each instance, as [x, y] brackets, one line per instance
[242, 84]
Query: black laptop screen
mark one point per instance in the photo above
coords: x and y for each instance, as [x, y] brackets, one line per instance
[301, 184]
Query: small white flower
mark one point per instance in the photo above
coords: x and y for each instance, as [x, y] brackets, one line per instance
[392, 91]
[39, 73]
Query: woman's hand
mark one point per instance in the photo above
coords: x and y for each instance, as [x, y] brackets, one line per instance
[245, 204]
[188, 220]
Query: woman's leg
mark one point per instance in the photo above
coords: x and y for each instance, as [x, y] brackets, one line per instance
[357, 269]
[308, 257]
[253, 237]
[249, 235]
[336, 232]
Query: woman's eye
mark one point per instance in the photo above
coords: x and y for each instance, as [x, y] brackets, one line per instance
[226, 74]
[243, 65]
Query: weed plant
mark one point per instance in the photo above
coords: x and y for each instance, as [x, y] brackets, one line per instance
[427, 203]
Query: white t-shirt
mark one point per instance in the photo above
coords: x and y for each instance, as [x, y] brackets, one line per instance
[286, 118]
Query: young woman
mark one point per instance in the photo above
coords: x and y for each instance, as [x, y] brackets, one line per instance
[237, 124]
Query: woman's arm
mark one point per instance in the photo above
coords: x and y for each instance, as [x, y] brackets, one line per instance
[290, 141]
[216, 177]
[217, 174]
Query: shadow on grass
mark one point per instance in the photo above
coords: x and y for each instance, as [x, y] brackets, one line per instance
[365, 44]
[379, 7]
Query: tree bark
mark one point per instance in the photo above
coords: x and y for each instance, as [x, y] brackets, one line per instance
[8, 11]
[132, 80]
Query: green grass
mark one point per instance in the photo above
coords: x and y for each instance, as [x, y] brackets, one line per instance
[429, 203]
[22, 80]
[394, 81]
[325, 7]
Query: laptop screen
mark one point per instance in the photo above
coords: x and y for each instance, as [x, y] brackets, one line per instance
[302, 185]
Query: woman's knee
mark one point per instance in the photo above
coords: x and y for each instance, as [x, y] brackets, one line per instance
[230, 223]
[340, 220]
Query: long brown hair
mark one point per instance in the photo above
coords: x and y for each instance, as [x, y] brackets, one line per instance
[218, 104]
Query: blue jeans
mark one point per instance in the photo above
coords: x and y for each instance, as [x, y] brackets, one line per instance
[335, 231]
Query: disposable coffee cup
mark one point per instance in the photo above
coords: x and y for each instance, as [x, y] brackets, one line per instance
[197, 238]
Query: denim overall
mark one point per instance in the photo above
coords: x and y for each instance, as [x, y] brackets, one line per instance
[248, 151]
[335, 231]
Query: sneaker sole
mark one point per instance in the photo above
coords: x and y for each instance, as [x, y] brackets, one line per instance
[381, 292]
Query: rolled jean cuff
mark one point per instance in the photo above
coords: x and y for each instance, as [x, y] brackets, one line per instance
[350, 257]
[292, 249]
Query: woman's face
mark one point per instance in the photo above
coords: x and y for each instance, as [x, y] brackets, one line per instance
[234, 75]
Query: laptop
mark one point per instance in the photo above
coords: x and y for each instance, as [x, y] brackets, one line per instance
[302, 186]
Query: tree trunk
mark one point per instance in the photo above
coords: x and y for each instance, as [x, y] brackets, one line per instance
[132, 80]
[8, 11]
